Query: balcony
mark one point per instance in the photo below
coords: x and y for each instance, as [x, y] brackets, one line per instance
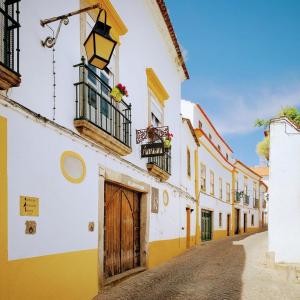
[238, 196]
[98, 116]
[160, 166]
[256, 203]
[9, 44]
[246, 199]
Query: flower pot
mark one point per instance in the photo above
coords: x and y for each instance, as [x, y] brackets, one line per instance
[116, 94]
[167, 144]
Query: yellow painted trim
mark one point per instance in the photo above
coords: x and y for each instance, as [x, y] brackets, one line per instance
[219, 234]
[162, 251]
[155, 85]
[118, 27]
[197, 197]
[65, 173]
[3, 210]
[210, 152]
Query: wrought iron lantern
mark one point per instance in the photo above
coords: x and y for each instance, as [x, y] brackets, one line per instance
[99, 45]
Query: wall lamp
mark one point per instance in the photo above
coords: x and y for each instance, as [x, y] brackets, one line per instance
[99, 45]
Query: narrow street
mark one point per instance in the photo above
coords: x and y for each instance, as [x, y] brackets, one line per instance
[226, 269]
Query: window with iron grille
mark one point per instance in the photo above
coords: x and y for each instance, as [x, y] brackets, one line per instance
[252, 220]
[9, 34]
[220, 219]
[188, 158]
[203, 178]
[212, 183]
[228, 192]
[220, 188]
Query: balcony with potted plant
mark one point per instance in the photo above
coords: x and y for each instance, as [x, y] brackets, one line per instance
[101, 112]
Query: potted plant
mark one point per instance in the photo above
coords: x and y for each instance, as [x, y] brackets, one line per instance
[168, 141]
[151, 132]
[118, 92]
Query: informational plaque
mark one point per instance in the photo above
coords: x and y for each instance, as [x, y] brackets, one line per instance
[29, 206]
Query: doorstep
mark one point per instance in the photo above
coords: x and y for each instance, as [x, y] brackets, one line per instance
[117, 278]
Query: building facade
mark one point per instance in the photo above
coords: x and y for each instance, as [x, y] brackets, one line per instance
[79, 205]
[229, 191]
[93, 188]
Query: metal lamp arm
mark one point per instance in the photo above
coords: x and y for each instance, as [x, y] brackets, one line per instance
[64, 19]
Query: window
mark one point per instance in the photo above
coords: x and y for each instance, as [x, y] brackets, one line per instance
[228, 192]
[209, 135]
[203, 178]
[9, 41]
[220, 219]
[220, 188]
[254, 191]
[245, 186]
[156, 111]
[199, 124]
[99, 91]
[227, 156]
[252, 220]
[188, 162]
[212, 183]
[219, 147]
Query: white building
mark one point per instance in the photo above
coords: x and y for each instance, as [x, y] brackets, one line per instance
[284, 191]
[229, 196]
[78, 204]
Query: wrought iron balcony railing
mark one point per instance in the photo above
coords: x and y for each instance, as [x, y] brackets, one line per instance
[9, 35]
[95, 105]
[246, 199]
[163, 162]
[238, 196]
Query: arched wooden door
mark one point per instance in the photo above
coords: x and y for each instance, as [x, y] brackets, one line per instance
[121, 230]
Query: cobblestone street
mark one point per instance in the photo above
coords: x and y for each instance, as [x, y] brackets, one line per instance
[234, 268]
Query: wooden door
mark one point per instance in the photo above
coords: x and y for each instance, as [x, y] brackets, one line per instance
[262, 219]
[188, 227]
[206, 225]
[245, 222]
[237, 221]
[121, 230]
[228, 225]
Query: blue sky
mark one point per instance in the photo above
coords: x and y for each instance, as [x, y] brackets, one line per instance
[244, 61]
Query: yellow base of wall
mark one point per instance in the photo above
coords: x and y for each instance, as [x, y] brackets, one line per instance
[219, 234]
[67, 276]
[161, 251]
[252, 229]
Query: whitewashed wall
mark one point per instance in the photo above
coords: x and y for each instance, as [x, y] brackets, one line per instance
[190, 110]
[284, 192]
[207, 201]
[35, 149]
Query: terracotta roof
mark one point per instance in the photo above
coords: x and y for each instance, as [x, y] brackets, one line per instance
[213, 127]
[262, 171]
[192, 130]
[164, 11]
[249, 169]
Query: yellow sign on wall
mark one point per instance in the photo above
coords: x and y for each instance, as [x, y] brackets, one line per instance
[29, 206]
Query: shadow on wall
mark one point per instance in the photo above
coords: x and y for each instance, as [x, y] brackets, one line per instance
[212, 270]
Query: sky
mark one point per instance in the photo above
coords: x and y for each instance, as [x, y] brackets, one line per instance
[243, 57]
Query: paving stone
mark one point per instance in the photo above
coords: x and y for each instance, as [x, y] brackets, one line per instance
[233, 268]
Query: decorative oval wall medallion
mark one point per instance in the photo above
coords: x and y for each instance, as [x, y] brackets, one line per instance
[165, 198]
[72, 166]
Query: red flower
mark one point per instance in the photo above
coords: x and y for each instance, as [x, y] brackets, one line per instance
[122, 89]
